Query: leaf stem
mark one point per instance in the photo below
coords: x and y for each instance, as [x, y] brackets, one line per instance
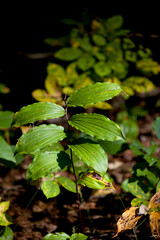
[74, 172]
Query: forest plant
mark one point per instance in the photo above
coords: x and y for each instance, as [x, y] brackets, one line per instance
[49, 156]
[98, 50]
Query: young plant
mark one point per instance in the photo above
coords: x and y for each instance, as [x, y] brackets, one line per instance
[99, 50]
[42, 142]
[64, 236]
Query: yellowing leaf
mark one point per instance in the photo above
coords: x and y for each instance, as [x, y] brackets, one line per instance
[155, 224]
[42, 96]
[128, 220]
[100, 105]
[154, 201]
[52, 87]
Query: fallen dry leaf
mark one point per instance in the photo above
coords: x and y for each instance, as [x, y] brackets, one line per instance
[128, 220]
[154, 201]
[155, 224]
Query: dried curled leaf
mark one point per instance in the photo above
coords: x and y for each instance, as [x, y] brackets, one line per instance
[154, 201]
[128, 220]
[155, 224]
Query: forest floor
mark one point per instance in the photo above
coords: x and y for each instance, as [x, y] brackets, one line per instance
[34, 216]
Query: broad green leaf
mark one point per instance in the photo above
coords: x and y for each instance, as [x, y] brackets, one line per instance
[115, 22]
[85, 62]
[50, 188]
[40, 137]
[151, 159]
[136, 189]
[93, 93]
[112, 147]
[156, 127]
[136, 202]
[137, 148]
[128, 43]
[100, 105]
[99, 40]
[78, 236]
[5, 220]
[67, 183]
[57, 236]
[124, 185]
[42, 96]
[46, 163]
[6, 154]
[102, 69]
[37, 111]
[7, 234]
[94, 180]
[84, 44]
[92, 154]
[5, 119]
[97, 125]
[68, 54]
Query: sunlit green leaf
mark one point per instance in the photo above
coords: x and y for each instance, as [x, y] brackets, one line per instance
[129, 128]
[46, 163]
[57, 236]
[78, 236]
[137, 190]
[40, 137]
[92, 154]
[57, 71]
[52, 88]
[5, 119]
[37, 111]
[102, 69]
[68, 54]
[97, 126]
[5, 220]
[67, 183]
[93, 93]
[50, 188]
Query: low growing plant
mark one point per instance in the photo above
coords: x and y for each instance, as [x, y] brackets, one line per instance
[54, 147]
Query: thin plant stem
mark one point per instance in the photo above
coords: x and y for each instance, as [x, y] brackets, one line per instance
[74, 172]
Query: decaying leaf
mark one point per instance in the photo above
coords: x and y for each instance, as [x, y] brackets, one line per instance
[154, 201]
[155, 224]
[128, 220]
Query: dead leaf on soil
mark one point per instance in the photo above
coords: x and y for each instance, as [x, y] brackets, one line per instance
[155, 224]
[154, 201]
[128, 220]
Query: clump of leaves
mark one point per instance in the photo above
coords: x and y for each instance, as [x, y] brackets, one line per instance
[44, 142]
[64, 236]
[130, 217]
[97, 51]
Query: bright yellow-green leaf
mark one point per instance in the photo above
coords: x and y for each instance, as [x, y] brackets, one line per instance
[42, 96]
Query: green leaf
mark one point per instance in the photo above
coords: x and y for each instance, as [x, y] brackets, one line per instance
[67, 183]
[46, 163]
[129, 128]
[137, 189]
[78, 236]
[85, 62]
[156, 127]
[99, 40]
[37, 111]
[68, 54]
[58, 72]
[158, 187]
[102, 69]
[7, 234]
[5, 220]
[50, 188]
[153, 179]
[5, 119]
[57, 236]
[97, 125]
[93, 180]
[137, 148]
[40, 137]
[92, 154]
[6, 154]
[112, 147]
[115, 22]
[137, 202]
[93, 93]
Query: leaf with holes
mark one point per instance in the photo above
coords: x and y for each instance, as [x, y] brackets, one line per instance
[93, 93]
[97, 126]
[94, 180]
[46, 163]
[128, 220]
[50, 188]
[40, 137]
[92, 154]
[37, 111]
